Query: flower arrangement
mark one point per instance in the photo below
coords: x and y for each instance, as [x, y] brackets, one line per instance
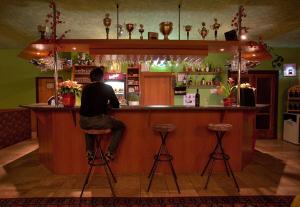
[229, 89]
[226, 89]
[247, 85]
[68, 87]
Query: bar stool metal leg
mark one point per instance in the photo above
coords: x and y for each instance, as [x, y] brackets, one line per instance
[219, 154]
[225, 157]
[154, 167]
[209, 160]
[106, 172]
[86, 180]
[106, 164]
[163, 153]
[232, 174]
[155, 162]
[174, 175]
[89, 172]
[99, 155]
[209, 173]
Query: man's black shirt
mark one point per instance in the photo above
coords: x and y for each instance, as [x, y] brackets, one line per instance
[95, 98]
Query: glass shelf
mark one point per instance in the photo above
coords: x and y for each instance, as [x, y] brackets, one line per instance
[294, 99]
[202, 87]
[200, 73]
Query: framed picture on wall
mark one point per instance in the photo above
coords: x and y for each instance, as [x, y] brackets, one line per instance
[45, 88]
[289, 70]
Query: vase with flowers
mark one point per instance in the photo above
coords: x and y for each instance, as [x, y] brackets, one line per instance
[227, 91]
[247, 96]
[69, 90]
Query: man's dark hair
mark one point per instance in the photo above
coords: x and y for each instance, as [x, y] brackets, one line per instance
[97, 74]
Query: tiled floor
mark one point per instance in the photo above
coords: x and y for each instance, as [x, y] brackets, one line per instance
[275, 170]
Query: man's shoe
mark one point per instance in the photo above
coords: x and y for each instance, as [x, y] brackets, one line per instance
[90, 156]
[109, 156]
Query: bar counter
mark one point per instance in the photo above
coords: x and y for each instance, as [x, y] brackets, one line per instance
[62, 146]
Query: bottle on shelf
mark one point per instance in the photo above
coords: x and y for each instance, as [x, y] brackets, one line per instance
[291, 94]
[190, 82]
[203, 82]
[207, 68]
[184, 81]
[293, 104]
[197, 98]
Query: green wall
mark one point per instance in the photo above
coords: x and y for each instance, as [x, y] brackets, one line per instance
[17, 79]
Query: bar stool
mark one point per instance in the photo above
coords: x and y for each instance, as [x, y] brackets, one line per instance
[99, 159]
[163, 154]
[218, 153]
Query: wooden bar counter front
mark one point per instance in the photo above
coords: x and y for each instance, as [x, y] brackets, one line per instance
[62, 143]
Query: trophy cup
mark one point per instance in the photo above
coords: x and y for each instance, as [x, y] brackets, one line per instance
[203, 32]
[166, 29]
[215, 27]
[141, 30]
[130, 28]
[120, 30]
[188, 28]
[42, 30]
[107, 23]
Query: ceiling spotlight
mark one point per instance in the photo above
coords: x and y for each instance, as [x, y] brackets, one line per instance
[243, 37]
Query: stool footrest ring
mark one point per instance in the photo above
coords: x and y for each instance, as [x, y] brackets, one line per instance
[163, 157]
[220, 156]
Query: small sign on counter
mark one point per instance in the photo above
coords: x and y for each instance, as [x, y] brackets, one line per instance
[189, 99]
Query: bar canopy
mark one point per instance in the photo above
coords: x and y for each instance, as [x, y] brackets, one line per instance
[179, 48]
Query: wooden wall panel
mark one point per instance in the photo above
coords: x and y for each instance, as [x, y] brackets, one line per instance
[45, 88]
[156, 89]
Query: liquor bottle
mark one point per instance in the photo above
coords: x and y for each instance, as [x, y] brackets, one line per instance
[207, 68]
[197, 98]
[190, 82]
[203, 82]
[184, 81]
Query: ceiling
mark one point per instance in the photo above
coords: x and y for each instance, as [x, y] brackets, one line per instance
[277, 21]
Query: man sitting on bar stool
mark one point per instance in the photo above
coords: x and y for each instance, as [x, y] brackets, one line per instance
[96, 99]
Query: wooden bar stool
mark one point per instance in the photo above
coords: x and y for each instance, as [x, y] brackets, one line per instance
[218, 152]
[163, 154]
[99, 159]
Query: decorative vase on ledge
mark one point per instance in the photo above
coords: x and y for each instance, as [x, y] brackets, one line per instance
[68, 99]
[228, 101]
[133, 103]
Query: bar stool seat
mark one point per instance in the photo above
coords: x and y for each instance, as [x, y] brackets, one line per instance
[97, 131]
[163, 127]
[99, 158]
[218, 152]
[163, 154]
[220, 127]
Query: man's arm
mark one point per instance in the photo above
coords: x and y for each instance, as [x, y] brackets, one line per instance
[113, 100]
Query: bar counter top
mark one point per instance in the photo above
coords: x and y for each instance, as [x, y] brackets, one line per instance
[43, 106]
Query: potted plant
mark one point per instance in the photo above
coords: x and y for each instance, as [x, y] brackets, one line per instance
[69, 90]
[133, 99]
[227, 90]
